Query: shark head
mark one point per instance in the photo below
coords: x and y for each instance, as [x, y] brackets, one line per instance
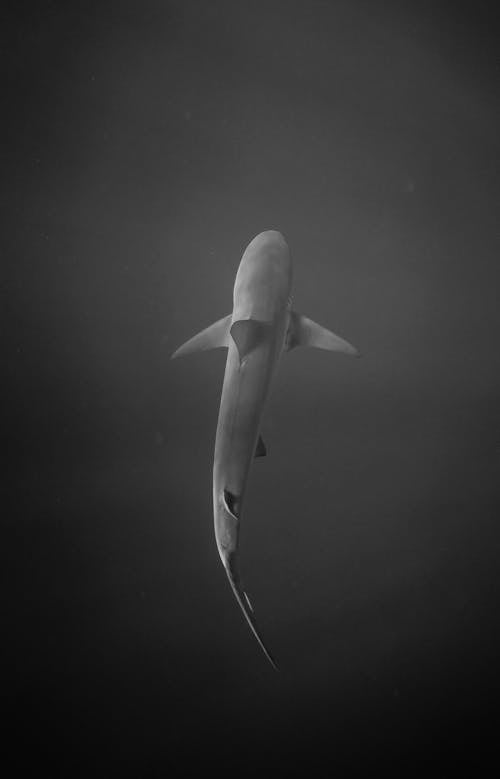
[264, 279]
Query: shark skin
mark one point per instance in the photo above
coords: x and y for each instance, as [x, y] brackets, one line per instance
[261, 327]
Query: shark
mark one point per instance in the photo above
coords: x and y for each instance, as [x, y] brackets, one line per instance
[262, 326]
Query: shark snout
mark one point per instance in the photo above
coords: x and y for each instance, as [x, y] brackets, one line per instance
[269, 237]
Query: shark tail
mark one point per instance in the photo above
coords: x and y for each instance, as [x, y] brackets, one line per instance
[245, 605]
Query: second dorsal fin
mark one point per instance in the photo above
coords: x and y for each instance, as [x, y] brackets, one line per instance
[260, 449]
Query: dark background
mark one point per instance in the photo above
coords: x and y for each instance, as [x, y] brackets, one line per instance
[145, 144]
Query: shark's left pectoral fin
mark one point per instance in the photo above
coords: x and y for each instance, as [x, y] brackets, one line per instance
[304, 332]
[213, 337]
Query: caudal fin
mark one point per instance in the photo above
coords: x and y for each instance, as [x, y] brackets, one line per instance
[245, 605]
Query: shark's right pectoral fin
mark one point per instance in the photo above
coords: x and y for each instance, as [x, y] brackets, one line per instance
[213, 337]
[304, 332]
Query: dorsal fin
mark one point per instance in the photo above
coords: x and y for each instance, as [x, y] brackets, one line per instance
[213, 337]
[247, 334]
[304, 332]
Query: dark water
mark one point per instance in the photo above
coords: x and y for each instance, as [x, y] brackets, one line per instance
[145, 145]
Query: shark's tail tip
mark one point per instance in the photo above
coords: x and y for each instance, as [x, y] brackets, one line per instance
[246, 607]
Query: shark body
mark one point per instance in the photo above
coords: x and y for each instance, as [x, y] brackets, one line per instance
[261, 327]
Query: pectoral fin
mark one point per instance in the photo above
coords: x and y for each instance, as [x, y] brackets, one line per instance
[260, 449]
[247, 334]
[304, 332]
[213, 337]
